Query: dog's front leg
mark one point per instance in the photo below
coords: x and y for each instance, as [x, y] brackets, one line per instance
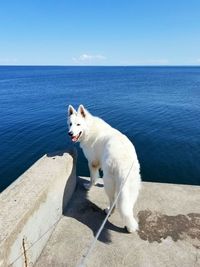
[94, 175]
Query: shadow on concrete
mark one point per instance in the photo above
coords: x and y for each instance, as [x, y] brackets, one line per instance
[71, 182]
[86, 212]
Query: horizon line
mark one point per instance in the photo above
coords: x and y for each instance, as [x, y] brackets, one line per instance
[60, 65]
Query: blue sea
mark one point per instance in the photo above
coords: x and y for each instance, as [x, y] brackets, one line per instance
[158, 108]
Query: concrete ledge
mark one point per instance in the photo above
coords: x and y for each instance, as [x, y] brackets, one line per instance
[168, 235]
[32, 206]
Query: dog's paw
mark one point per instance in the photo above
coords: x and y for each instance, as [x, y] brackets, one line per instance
[132, 228]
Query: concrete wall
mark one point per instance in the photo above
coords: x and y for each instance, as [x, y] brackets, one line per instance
[31, 207]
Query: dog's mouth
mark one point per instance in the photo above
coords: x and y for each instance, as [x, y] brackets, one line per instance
[75, 138]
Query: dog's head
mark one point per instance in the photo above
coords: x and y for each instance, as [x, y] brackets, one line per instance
[77, 122]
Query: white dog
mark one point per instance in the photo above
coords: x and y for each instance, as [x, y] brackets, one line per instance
[107, 149]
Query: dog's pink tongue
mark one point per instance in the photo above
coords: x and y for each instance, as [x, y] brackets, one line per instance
[74, 138]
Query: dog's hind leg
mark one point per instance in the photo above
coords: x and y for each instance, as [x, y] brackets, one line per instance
[109, 187]
[125, 204]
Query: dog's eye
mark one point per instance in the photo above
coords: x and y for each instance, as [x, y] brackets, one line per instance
[70, 124]
[78, 124]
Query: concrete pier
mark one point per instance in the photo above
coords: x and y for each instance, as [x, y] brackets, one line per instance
[31, 207]
[48, 219]
[168, 235]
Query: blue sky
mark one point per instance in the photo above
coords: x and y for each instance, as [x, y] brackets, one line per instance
[100, 32]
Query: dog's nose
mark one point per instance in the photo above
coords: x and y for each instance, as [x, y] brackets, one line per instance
[70, 133]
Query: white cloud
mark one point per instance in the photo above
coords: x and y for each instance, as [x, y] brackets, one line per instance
[88, 58]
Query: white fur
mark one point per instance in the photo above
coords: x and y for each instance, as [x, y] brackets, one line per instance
[108, 149]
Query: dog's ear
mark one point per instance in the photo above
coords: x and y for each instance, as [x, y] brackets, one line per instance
[82, 111]
[71, 110]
